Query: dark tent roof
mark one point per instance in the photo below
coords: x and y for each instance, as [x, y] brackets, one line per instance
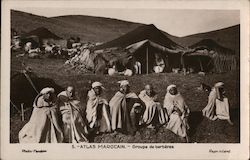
[212, 56]
[149, 32]
[42, 33]
[210, 44]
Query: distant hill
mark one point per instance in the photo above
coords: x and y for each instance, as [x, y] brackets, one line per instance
[99, 29]
[227, 37]
[88, 28]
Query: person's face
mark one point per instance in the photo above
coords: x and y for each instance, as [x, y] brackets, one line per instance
[125, 88]
[149, 90]
[173, 91]
[70, 92]
[222, 90]
[97, 90]
[48, 96]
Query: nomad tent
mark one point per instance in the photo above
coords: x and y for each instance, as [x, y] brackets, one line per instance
[25, 85]
[209, 56]
[40, 36]
[144, 44]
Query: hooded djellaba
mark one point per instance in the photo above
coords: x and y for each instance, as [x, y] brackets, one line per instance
[218, 105]
[154, 115]
[97, 110]
[126, 108]
[178, 112]
[43, 126]
[74, 125]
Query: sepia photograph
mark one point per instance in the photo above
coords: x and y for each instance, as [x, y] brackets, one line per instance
[120, 76]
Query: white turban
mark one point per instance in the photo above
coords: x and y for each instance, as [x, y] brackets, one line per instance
[97, 84]
[137, 104]
[170, 86]
[219, 84]
[47, 90]
[123, 83]
[128, 72]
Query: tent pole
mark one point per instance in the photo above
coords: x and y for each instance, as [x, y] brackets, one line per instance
[183, 64]
[147, 58]
[201, 64]
[22, 112]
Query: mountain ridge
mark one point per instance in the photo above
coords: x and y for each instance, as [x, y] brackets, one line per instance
[102, 29]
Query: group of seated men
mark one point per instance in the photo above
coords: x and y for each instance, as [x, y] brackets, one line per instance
[60, 119]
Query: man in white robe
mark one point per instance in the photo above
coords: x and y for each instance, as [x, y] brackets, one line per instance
[154, 113]
[97, 110]
[125, 109]
[43, 126]
[159, 64]
[178, 112]
[218, 106]
[74, 125]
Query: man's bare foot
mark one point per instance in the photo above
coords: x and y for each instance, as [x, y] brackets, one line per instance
[114, 133]
[150, 126]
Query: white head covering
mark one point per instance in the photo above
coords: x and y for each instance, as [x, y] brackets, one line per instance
[47, 90]
[123, 83]
[171, 86]
[137, 104]
[97, 84]
[219, 84]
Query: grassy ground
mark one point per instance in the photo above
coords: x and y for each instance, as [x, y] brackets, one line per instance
[202, 129]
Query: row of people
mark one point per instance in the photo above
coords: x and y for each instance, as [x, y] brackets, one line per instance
[56, 120]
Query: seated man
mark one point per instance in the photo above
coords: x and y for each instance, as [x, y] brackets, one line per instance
[178, 112]
[75, 128]
[125, 109]
[218, 106]
[97, 110]
[159, 64]
[43, 126]
[154, 113]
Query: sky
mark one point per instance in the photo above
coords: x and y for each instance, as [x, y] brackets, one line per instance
[175, 22]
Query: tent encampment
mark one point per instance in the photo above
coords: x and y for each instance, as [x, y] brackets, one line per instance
[144, 44]
[41, 36]
[207, 55]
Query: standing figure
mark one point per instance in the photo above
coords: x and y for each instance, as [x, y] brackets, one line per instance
[74, 126]
[43, 126]
[154, 113]
[218, 106]
[178, 112]
[97, 110]
[137, 67]
[125, 109]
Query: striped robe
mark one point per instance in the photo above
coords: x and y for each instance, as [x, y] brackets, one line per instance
[152, 109]
[75, 128]
[123, 112]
